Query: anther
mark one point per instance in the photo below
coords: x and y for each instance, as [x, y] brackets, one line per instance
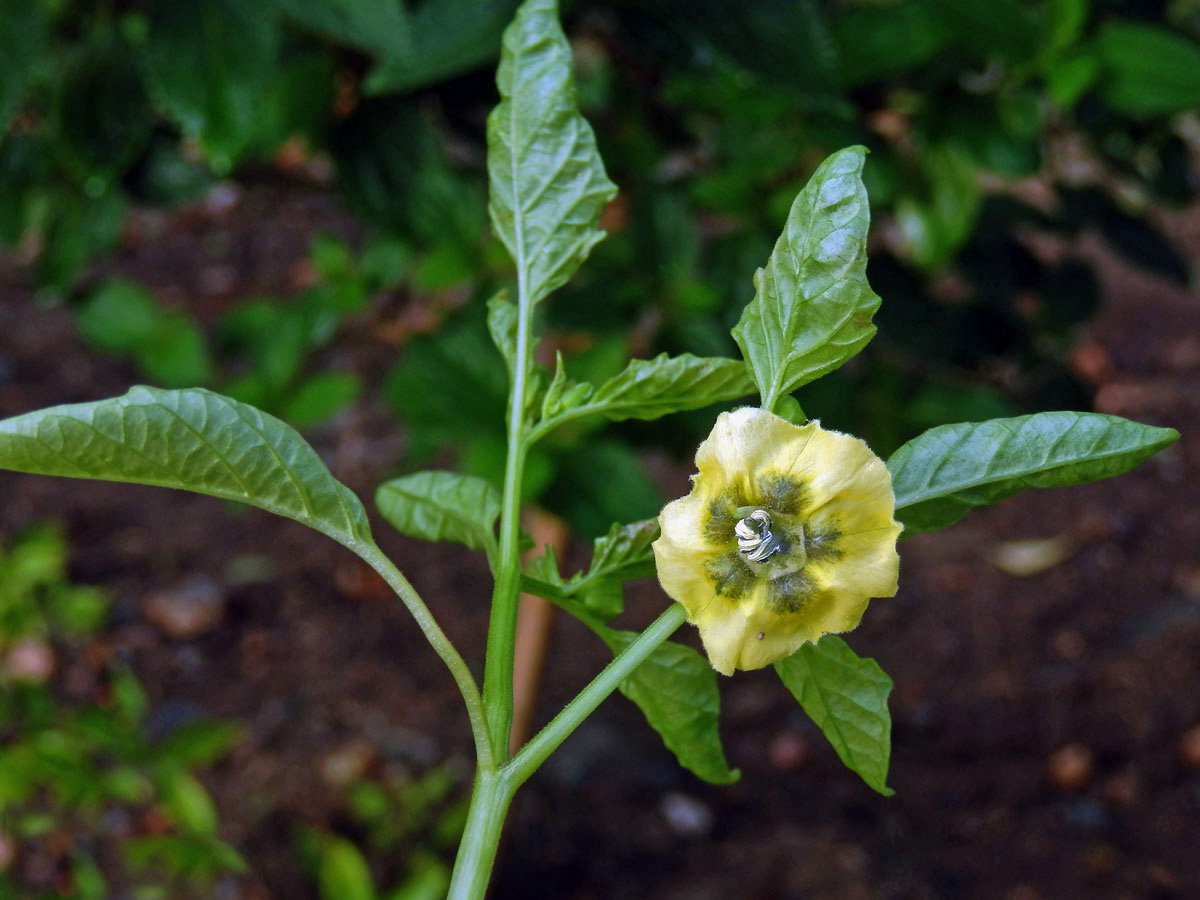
[754, 536]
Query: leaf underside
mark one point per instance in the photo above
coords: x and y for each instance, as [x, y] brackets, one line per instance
[441, 506]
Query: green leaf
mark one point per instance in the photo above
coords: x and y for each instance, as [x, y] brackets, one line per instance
[452, 37]
[563, 394]
[321, 397]
[1148, 71]
[846, 696]
[208, 62]
[343, 872]
[23, 35]
[170, 347]
[379, 27]
[946, 471]
[624, 553]
[120, 317]
[547, 181]
[651, 388]
[676, 689]
[544, 568]
[502, 326]
[621, 555]
[189, 805]
[442, 506]
[940, 216]
[812, 305]
[193, 440]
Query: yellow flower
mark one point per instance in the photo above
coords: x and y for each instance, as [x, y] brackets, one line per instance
[787, 534]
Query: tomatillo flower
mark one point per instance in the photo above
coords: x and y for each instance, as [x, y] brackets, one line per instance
[787, 534]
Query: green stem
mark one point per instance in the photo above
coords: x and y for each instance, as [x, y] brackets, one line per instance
[374, 557]
[490, 798]
[533, 754]
[502, 626]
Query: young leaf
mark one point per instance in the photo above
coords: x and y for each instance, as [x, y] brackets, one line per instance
[621, 555]
[624, 553]
[812, 305]
[343, 873]
[650, 388]
[193, 440]
[502, 326]
[189, 805]
[442, 506]
[941, 474]
[547, 182]
[563, 394]
[846, 696]
[676, 689]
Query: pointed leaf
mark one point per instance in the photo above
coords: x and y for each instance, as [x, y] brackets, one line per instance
[812, 305]
[442, 506]
[624, 553]
[502, 326]
[547, 182]
[453, 36]
[650, 388]
[193, 440]
[343, 872]
[676, 689]
[379, 27]
[619, 556]
[946, 471]
[563, 393]
[846, 696]
[1147, 70]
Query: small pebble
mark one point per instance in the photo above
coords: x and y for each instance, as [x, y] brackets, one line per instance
[787, 750]
[1069, 644]
[347, 763]
[31, 660]
[686, 815]
[1070, 768]
[1189, 747]
[187, 610]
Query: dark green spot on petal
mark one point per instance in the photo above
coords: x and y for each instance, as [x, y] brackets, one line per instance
[782, 493]
[723, 515]
[731, 575]
[790, 593]
[821, 545]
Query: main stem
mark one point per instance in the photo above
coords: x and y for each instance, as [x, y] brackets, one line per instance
[494, 788]
[490, 798]
[502, 626]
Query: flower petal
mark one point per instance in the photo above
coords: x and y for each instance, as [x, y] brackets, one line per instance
[832, 504]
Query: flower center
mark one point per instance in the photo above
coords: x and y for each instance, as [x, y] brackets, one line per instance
[754, 537]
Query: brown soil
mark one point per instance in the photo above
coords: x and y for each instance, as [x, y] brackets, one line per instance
[1041, 724]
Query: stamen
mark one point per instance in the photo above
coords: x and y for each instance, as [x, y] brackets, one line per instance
[754, 536]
